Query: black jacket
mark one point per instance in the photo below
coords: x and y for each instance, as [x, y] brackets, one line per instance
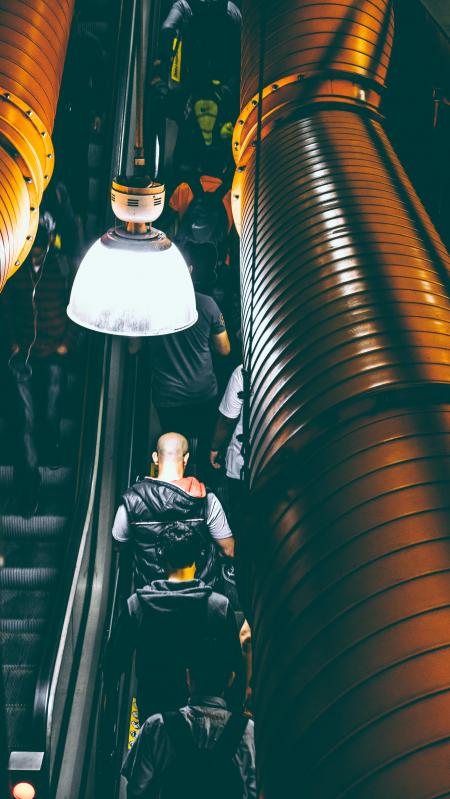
[151, 505]
[211, 42]
[166, 623]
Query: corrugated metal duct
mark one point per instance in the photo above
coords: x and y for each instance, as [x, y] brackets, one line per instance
[346, 327]
[33, 41]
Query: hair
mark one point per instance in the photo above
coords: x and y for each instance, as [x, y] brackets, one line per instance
[179, 546]
[210, 668]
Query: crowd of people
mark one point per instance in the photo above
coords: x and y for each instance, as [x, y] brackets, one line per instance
[192, 662]
[193, 665]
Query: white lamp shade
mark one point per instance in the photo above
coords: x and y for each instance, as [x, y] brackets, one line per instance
[133, 290]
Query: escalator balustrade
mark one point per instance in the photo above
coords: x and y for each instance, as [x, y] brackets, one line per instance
[31, 555]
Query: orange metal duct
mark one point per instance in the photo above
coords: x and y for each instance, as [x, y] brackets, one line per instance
[33, 41]
[346, 328]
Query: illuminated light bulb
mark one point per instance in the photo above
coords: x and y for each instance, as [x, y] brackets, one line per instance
[24, 790]
[133, 281]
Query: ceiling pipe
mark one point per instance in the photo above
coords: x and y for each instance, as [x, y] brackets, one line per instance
[346, 330]
[33, 42]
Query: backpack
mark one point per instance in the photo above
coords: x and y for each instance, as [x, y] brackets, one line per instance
[203, 773]
[206, 220]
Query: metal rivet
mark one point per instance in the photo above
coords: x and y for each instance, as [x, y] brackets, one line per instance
[45, 177]
[43, 133]
[28, 180]
[241, 168]
[236, 145]
[236, 196]
[241, 122]
[254, 102]
[49, 155]
[7, 96]
[29, 113]
[275, 86]
[17, 263]
[29, 238]
[32, 208]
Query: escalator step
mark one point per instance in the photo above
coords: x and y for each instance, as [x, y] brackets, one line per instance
[50, 478]
[16, 626]
[26, 554]
[27, 579]
[18, 726]
[24, 604]
[21, 649]
[20, 684]
[41, 527]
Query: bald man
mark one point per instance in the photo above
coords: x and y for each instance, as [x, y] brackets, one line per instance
[151, 504]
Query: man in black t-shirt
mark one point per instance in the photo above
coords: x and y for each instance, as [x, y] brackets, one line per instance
[184, 382]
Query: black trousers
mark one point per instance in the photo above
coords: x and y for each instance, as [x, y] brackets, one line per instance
[37, 391]
[196, 422]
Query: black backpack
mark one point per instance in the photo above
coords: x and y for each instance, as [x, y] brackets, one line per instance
[203, 773]
[206, 220]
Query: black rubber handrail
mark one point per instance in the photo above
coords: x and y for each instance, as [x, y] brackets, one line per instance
[94, 377]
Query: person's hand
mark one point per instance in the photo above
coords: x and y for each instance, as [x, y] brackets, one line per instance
[62, 349]
[213, 456]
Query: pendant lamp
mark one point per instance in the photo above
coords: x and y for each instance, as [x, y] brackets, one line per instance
[133, 281]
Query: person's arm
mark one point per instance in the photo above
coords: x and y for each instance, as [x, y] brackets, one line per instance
[218, 526]
[121, 528]
[222, 433]
[221, 343]
[245, 638]
[246, 753]
[147, 759]
[120, 647]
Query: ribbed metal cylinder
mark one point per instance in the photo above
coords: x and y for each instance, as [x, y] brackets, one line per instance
[353, 38]
[351, 599]
[33, 41]
[346, 328]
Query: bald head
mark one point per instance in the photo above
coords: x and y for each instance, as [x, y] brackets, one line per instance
[171, 456]
[172, 446]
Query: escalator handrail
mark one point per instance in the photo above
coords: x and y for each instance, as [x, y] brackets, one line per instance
[88, 461]
[87, 467]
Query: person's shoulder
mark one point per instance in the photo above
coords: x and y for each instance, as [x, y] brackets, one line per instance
[152, 724]
[234, 13]
[206, 303]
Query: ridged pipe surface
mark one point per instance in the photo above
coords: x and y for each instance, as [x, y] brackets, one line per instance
[33, 41]
[346, 329]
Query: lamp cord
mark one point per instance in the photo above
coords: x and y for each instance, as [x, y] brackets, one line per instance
[139, 154]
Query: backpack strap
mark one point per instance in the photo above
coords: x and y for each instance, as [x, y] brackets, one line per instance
[231, 737]
[181, 738]
[179, 734]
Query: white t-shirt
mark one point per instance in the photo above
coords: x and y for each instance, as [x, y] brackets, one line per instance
[232, 407]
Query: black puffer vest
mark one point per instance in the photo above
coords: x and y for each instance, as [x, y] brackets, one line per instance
[153, 504]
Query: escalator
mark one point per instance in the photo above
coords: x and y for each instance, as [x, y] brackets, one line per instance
[33, 550]
[47, 560]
